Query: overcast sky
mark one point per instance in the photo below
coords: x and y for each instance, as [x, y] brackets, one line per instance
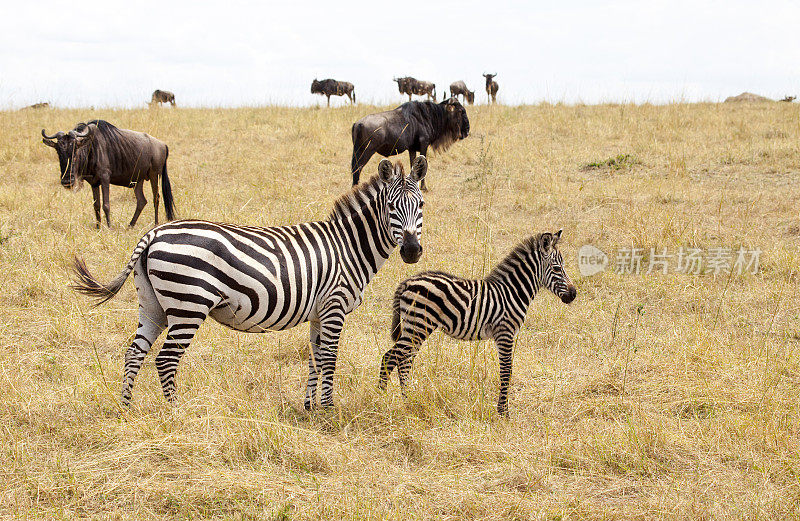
[232, 53]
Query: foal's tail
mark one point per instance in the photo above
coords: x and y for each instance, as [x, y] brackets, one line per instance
[86, 284]
[166, 191]
[396, 311]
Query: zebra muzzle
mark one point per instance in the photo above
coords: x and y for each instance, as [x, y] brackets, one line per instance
[410, 250]
[570, 294]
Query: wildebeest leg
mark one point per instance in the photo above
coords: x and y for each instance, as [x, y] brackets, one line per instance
[96, 195]
[329, 100]
[106, 201]
[360, 159]
[412, 156]
[156, 197]
[141, 201]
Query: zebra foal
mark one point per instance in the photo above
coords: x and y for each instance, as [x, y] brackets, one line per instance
[493, 307]
[260, 279]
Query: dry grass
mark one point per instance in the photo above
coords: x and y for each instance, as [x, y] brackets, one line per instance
[689, 410]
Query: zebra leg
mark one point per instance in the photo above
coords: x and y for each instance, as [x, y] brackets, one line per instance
[313, 367]
[401, 356]
[152, 321]
[180, 335]
[330, 330]
[146, 334]
[505, 352]
[404, 365]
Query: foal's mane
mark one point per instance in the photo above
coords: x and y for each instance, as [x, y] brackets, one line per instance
[518, 253]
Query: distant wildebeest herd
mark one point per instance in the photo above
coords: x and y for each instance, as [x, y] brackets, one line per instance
[257, 279]
[409, 86]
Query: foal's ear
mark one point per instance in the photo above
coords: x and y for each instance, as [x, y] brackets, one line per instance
[419, 169]
[386, 171]
[557, 236]
[546, 242]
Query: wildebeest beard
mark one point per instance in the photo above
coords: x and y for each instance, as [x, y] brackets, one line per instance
[72, 150]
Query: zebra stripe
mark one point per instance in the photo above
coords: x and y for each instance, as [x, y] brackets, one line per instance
[265, 279]
[493, 307]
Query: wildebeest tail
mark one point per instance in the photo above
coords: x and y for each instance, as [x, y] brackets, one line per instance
[396, 311]
[86, 284]
[166, 190]
[354, 95]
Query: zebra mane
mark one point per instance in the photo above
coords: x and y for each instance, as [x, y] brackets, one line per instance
[517, 254]
[356, 198]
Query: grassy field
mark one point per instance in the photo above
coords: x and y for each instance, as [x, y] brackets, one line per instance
[651, 396]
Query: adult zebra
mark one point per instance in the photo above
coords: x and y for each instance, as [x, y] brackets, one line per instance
[258, 279]
[494, 307]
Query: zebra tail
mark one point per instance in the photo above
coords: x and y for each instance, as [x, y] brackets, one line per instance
[396, 312]
[395, 324]
[86, 284]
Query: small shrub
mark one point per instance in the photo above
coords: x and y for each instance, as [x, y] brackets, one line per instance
[620, 162]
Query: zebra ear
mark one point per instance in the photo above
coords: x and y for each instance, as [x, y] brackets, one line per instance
[419, 169]
[386, 171]
[557, 237]
[545, 242]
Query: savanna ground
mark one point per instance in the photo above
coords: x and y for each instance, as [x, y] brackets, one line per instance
[650, 396]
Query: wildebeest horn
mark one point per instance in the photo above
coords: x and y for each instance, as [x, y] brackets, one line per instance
[54, 136]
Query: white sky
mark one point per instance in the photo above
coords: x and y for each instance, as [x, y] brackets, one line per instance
[232, 53]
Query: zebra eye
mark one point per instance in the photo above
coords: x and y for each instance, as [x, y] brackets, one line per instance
[390, 206]
[421, 204]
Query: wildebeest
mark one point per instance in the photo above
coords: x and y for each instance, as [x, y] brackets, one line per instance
[162, 96]
[104, 155]
[426, 88]
[413, 126]
[789, 99]
[459, 88]
[43, 105]
[407, 85]
[331, 87]
[491, 86]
